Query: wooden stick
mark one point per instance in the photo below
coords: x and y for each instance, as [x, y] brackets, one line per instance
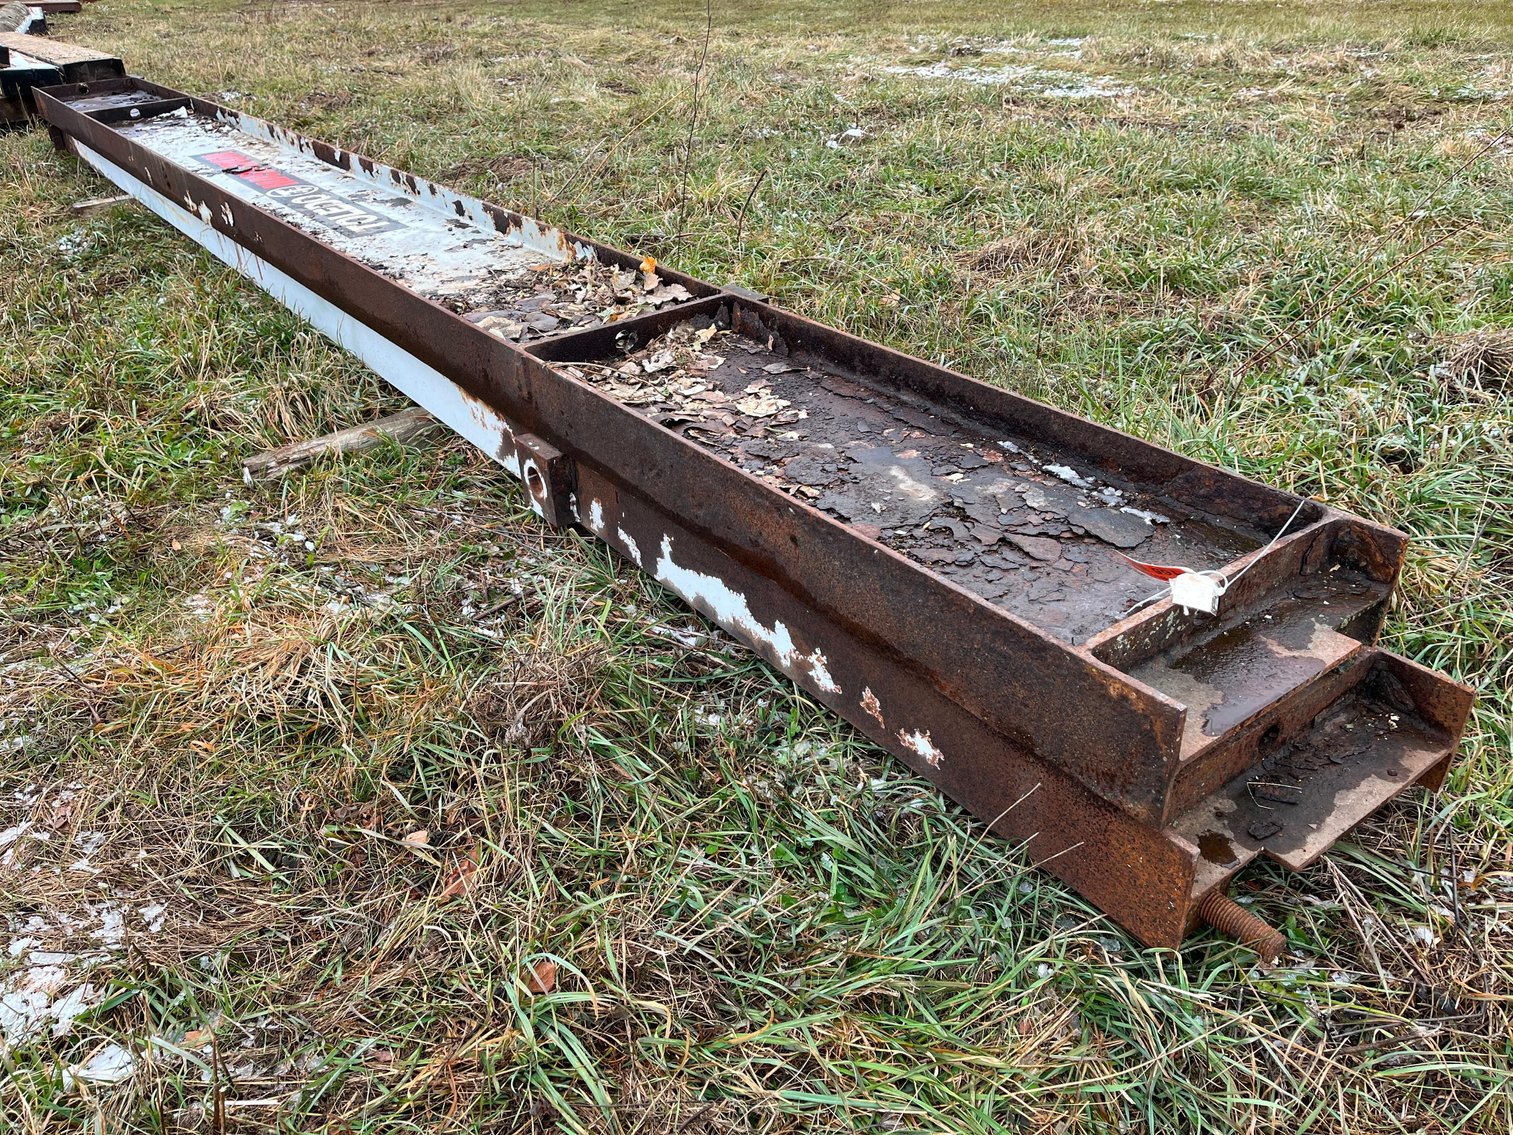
[287, 458]
[95, 204]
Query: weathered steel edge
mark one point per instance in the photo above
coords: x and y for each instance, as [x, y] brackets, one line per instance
[529, 230]
[1140, 876]
[1008, 673]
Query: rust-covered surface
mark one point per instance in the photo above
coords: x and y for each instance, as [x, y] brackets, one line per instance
[939, 561]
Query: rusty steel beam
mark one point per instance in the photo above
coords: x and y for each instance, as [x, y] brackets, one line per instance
[935, 559]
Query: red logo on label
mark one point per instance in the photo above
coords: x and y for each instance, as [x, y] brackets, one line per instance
[247, 168]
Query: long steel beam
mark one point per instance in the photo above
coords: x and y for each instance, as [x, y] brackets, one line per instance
[935, 559]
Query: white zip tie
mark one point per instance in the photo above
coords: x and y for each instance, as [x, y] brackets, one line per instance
[1202, 590]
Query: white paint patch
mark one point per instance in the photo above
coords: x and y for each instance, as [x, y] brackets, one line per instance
[632, 549]
[819, 670]
[872, 707]
[730, 609]
[596, 516]
[919, 742]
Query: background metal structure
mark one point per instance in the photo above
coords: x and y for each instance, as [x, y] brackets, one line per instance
[28, 61]
[944, 575]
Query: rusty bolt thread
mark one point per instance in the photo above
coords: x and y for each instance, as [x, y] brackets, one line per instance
[1230, 918]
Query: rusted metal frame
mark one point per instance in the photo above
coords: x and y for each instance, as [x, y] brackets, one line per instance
[1066, 827]
[1141, 876]
[708, 526]
[1077, 835]
[1007, 672]
[464, 206]
[1443, 707]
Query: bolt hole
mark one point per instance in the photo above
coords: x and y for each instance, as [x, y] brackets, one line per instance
[534, 482]
[1270, 738]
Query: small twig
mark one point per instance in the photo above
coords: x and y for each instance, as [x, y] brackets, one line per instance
[285, 459]
[97, 204]
[740, 221]
[693, 113]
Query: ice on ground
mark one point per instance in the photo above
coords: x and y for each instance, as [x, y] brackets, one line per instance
[47, 954]
[110, 1065]
[1049, 82]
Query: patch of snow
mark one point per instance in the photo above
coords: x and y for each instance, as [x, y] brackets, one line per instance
[110, 1065]
[1035, 80]
[1148, 517]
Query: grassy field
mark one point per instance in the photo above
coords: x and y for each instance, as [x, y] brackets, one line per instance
[360, 802]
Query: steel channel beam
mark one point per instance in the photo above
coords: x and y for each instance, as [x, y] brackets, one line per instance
[1052, 745]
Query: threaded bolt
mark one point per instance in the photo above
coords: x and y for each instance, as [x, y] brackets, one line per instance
[1230, 918]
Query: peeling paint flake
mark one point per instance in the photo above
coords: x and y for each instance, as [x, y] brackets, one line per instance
[732, 611]
[919, 742]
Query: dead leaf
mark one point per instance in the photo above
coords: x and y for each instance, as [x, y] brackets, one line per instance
[460, 881]
[417, 839]
[760, 406]
[541, 977]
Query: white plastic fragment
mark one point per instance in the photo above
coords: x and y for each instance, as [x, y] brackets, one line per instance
[1197, 591]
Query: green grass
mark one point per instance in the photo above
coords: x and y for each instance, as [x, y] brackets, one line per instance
[758, 920]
